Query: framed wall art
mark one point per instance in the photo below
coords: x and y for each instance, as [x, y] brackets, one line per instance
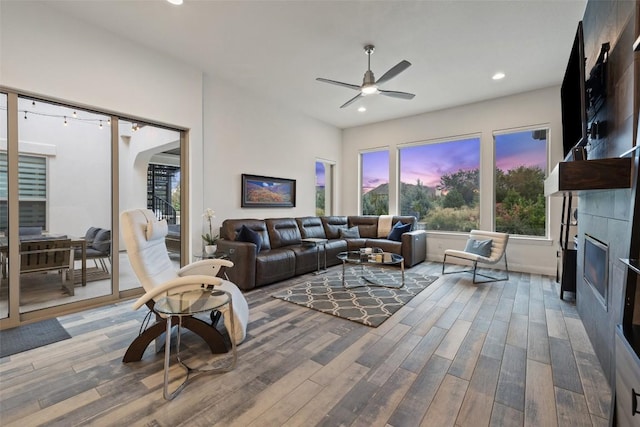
[267, 192]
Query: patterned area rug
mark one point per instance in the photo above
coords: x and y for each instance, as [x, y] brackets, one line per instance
[360, 302]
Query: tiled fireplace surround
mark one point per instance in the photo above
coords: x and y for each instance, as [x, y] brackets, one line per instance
[605, 214]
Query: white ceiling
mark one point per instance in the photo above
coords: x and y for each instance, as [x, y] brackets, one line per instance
[276, 49]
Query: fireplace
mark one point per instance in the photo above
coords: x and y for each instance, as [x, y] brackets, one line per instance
[596, 267]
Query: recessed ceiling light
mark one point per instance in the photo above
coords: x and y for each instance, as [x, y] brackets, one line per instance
[362, 109]
[498, 76]
[177, 2]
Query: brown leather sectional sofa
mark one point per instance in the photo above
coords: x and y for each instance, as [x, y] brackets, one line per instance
[283, 255]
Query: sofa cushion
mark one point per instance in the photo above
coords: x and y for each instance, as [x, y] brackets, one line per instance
[248, 235]
[479, 247]
[283, 232]
[398, 230]
[367, 225]
[102, 241]
[91, 234]
[274, 265]
[350, 233]
[333, 224]
[385, 244]
[231, 227]
[311, 227]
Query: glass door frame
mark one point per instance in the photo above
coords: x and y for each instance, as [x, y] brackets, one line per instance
[15, 318]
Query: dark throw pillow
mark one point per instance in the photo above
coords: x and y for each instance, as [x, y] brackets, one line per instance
[248, 235]
[350, 233]
[398, 230]
[479, 247]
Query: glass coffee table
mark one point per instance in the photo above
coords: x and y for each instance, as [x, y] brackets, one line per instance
[370, 257]
[183, 304]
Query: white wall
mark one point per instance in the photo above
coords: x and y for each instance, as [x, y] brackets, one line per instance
[48, 53]
[244, 134]
[540, 107]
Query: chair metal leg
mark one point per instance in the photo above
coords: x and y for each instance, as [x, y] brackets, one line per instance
[476, 273]
[492, 278]
[455, 271]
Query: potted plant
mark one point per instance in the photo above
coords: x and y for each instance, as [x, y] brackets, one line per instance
[210, 240]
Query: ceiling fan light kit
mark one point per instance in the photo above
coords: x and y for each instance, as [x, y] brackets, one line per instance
[370, 85]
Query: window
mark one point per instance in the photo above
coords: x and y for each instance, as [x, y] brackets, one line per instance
[324, 187]
[375, 182]
[320, 188]
[521, 162]
[32, 191]
[439, 184]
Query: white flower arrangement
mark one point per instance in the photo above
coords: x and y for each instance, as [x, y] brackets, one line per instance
[209, 238]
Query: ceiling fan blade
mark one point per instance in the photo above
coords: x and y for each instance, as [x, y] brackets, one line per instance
[333, 82]
[394, 94]
[351, 101]
[394, 71]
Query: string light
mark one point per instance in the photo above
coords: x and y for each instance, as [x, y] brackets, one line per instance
[75, 116]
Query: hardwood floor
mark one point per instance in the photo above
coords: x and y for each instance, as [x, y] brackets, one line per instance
[504, 354]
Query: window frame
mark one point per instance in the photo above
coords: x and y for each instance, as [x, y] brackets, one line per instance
[361, 194]
[530, 128]
[449, 139]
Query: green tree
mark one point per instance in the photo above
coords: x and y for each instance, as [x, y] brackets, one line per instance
[415, 199]
[465, 182]
[528, 182]
[453, 199]
[520, 202]
[320, 201]
[175, 198]
[376, 201]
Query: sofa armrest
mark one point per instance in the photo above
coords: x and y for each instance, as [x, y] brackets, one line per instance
[243, 256]
[414, 247]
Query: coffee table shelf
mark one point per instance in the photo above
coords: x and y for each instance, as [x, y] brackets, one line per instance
[370, 257]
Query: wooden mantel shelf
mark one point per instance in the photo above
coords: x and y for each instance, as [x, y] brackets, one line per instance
[579, 175]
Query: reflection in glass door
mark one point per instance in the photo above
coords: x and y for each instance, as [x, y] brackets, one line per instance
[4, 217]
[64, 204]
[150, 178]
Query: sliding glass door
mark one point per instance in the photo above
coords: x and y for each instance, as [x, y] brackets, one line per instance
[64, 182]
[4, 210]
[150, 178]
[65, 175]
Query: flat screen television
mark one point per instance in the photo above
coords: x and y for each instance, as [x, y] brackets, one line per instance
[573, 97]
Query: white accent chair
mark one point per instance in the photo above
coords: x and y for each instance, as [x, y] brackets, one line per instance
[498, 251]
[144, 238]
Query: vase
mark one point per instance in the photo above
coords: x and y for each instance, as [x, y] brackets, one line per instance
[210, 249]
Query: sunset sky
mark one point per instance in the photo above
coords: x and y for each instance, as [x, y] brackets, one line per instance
[429, 162]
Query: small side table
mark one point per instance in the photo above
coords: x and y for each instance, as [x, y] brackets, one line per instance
[215, 255]
[189, 303]
[317, 243]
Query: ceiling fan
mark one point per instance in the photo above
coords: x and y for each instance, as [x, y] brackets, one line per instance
[370, 85]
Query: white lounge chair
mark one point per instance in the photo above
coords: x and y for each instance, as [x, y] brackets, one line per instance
[498, 251]
[144, 238]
